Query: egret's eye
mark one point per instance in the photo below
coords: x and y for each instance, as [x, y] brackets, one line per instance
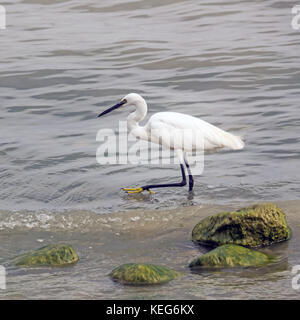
[124, 101]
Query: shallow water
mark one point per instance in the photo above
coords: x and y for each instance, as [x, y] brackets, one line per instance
[161, 237]
[232, 63]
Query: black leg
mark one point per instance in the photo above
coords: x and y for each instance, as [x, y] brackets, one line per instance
[191, 178]
[180, 184]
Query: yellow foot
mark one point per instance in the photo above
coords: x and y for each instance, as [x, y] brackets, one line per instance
[136, 190]
[133, 190]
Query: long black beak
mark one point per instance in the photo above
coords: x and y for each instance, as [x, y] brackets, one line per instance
[116, 106]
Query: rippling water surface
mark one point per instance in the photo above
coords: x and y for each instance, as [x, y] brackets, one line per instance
[232, 63]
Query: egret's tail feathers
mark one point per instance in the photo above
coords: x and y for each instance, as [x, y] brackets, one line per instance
[234, 142]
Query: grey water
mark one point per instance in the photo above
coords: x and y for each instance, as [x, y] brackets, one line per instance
[62, 62]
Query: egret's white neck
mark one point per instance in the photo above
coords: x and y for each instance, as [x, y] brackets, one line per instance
[138, 115]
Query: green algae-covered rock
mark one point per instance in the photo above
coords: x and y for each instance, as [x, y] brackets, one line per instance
[133, 273]
[51, 255]
[231, 255]
[258, 225]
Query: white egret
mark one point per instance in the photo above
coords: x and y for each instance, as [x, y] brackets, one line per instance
[162, 126]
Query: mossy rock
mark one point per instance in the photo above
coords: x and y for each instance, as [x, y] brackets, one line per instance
[254, 226]
[52, 255]
[231, 255]
[133, 273]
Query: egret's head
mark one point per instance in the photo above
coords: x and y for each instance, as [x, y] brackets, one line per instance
[133, 99]
[129, 99]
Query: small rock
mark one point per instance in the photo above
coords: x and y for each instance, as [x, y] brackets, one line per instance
[52, 255]
[133, 273]
[231, 255]
[258, 225]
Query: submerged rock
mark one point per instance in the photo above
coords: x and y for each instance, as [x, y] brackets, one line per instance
[258, 225]
[133, 273]
[52, 255]
[231, 255]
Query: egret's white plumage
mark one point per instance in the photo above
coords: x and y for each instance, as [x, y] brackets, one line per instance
[178, 131]
[164, 125]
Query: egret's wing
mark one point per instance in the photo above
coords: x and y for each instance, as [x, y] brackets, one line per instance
[164, 125]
